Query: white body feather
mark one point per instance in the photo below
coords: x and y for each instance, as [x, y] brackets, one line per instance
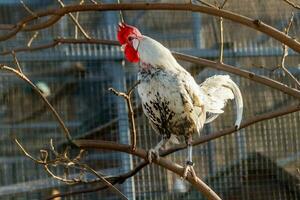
[164, 83]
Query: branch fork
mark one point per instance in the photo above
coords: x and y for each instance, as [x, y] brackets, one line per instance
[127, 98]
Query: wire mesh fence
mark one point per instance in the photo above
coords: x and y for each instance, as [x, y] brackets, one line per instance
[259, 162]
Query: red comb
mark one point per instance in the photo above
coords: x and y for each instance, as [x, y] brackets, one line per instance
[125, 30]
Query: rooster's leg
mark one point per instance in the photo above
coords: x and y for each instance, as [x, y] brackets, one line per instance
[189, 163]
[154, 153]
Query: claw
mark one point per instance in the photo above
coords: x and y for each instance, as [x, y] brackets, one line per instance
[189, 167]
[152, 153]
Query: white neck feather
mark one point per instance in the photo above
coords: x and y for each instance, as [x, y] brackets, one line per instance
[154, 53]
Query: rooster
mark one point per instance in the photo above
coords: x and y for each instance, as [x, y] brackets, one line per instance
[173, 102]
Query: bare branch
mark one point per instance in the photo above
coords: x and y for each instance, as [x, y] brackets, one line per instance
[102, 144]
[94, 144]
[65, 180]
[131, 119]
[286, 52]
[196, 60]
[240, 72]
[223, 4]
[292, 4]
[135, 151]
[221, 34]
[292, 77]
[27, 154]
[56, 14]
[32, 38]
[165, 163]
[122, 177]
[16, 61]
[107, 183]
[221, 40]
[63, 159]
[28, 9]
[93, 1]
[206, 4]
[121, 14]
[36, 89]
[75, 21]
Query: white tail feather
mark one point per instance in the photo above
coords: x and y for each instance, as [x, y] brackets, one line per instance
[238, 102]
[218, 90]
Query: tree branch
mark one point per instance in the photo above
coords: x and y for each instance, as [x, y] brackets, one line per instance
[28, 9]
[131, 119]
[221, 40]
[122, 177]
[292, 4]
[56, 14]
[32, 38]
[64, 160]
[100, 144]
[40, 94]
[179, 170]
[196, 60]
[221, 34]
[240, 72]
[75, 21]
[286, 53]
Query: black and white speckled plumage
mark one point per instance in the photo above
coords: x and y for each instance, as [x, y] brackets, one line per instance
[169, 101]
[172, 100]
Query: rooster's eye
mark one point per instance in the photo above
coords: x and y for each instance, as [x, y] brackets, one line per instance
[130, 38]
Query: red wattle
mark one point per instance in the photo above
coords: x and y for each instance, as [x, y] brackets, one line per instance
[131, 54]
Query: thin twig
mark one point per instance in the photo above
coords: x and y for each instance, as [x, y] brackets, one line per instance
[16, 62]
[292, 4]
[221, 34]
[131, 119]
[223, 4]
[40, 109]
[206, 4]
[286, 52]
[77, 19]
[76, 27]
[65, 180]
[44, 162]
[36, 89]
[244, 73]
[75, 22]
[221, 40]
[291, 76]
[64, 159]
[28, 9]
[27, 154]
[107, 183]
[32, 38]
[74, 192]
[121, 14]
[93, 1]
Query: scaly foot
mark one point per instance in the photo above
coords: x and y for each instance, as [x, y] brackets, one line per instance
[189, 167]
[153, 154]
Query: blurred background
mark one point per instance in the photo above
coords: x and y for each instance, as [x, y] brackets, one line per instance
[259, 162]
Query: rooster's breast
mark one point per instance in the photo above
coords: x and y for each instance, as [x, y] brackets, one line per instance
[164, 102]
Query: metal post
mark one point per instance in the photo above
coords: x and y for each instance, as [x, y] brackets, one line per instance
[210, 152]
[197, 30]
